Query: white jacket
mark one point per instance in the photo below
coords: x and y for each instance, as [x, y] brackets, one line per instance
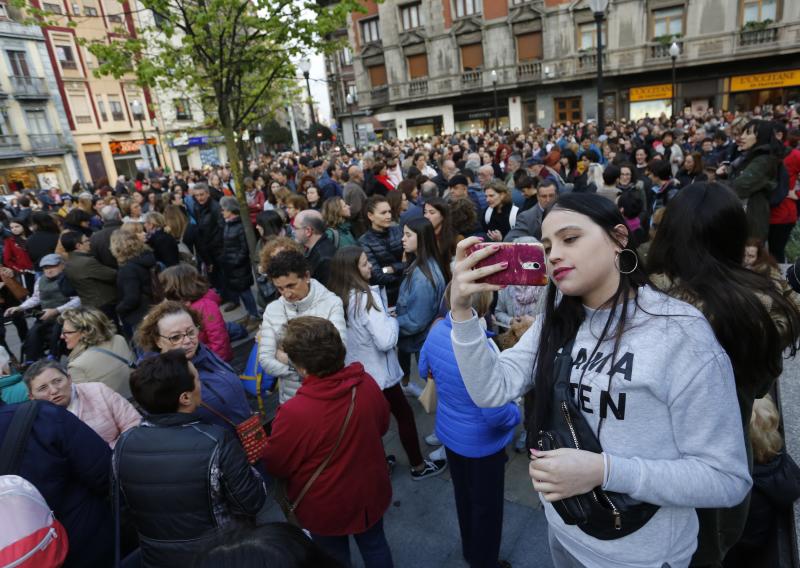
[372, 338]
[320, 302]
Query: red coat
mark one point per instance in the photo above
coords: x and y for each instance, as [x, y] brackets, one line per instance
[213, 331]
[354, 490]
[15, 256]
[786, 212]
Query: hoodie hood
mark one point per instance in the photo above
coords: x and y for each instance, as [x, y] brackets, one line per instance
[146, 260]
[335, 386]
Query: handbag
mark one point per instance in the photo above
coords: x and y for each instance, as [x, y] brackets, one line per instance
[281, 493]
[428, 398]
[604, 515]
[250, 432]
[17, 290]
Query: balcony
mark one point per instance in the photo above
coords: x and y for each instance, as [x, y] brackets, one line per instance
[46, 143]
[587, 60]
[379, 95]
[10, 147]
[418, 88]
[471, 79]
[660, 50]
[69, 64]
[529, 70]
[763, 36]
[32, 88]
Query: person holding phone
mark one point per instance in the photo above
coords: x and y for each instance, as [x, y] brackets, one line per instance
[653, 384]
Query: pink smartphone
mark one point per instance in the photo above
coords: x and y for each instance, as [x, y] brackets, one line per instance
[526, 265]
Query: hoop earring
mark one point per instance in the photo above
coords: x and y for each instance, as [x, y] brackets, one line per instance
[617, 262]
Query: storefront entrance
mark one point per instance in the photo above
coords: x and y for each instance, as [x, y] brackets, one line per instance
[424, 127]
[764, 90]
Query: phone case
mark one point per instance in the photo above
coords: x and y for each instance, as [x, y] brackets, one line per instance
[526, 264]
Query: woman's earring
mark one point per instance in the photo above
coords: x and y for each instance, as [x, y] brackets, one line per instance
[618, 263]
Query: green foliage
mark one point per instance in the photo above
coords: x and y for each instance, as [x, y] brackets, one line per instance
[756, 26]
[274, 133]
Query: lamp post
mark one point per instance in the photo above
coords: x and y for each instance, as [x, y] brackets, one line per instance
[494, 88]
[352, 99]
[163, 161]
[674, 52]
[305, 67]
[599, 9]
[138, 112]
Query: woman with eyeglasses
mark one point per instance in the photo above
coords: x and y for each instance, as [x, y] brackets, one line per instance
[173, 325]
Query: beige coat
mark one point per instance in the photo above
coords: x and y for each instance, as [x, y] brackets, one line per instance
[88, 364]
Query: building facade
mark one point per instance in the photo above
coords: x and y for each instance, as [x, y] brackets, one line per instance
[36, 148]
[423, 67]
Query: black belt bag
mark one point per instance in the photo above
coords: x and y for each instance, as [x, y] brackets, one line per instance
[604, 515]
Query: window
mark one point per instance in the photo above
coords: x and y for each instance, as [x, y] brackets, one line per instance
[89, 11]
[417, 66]
[377, 76]
[588, 36]
[80, 109]
[467, 8]
[101, 108]
[668, 22]
[370, 31]
[3, 11]
[19, 63]
[568, 109]
[182, 109]
[65, 57]
[472, 57]
[410, 15]
[76, 8]
[37, 121]
[116, 108]
[352, 91]
[529, 46]
[760, 10]
[52, 8]
[345, 56]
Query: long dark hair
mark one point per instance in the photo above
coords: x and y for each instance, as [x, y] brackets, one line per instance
[766, 141]
[699, 245]
[345, 277]
[561, 322]
[446, 241]
[427, 249]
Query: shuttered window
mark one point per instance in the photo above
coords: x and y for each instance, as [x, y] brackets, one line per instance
[79, 106]
[529, 46]
[377, 76]
[472, 57]
[418, 66]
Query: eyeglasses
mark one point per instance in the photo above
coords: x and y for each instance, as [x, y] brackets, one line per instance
[178, 337]
[69, 331]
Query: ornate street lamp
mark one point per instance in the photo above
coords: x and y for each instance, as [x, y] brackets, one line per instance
[598, 7]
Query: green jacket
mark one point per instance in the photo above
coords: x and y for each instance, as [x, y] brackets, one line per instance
[95, 283]
[755, 183]
[342, 236]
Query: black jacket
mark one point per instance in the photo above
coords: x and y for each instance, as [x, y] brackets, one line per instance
[167, 468]
[165, 247]
[39, 244]
[101, 243]
[135, 288]
[319, 257]
[385, 249]
[210, 228]
[235, 259]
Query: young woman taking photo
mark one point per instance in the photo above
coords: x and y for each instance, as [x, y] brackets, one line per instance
[644, 389]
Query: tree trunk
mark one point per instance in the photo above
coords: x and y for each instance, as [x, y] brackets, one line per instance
[238, 178]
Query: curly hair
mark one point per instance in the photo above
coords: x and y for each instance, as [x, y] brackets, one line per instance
[182, 283]
[147, 336]
[272, 247]
[332, 211]
[156, 219]
[94, 325]
[125, 245]
[288, 262]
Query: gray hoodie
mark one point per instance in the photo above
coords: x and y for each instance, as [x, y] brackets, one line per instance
[672, 434]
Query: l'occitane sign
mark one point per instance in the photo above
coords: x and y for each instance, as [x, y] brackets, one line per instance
[765, 81]
[651, 93]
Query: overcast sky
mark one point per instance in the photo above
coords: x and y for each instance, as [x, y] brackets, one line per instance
[319, 89]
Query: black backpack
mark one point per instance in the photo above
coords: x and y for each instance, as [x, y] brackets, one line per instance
[781, 189]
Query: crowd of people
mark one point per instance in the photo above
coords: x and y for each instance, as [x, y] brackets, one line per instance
[640, 381]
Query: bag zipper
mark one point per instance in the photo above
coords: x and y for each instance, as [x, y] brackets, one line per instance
[614, 510]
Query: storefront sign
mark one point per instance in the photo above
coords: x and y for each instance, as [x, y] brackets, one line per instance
[651, 93]
[765, 81]
[121, 147]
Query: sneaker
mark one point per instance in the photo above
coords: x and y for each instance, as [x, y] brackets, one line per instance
[390, 463]
[431, 469]
[432, 440]
[521, 443]
[412, 389]
[229, 306]
[438, 455]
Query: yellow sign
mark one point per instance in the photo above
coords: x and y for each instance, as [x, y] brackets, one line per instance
[765, 81]
[651, 93]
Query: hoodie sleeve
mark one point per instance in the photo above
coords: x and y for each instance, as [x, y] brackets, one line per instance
[382, 327]
[336, 316]
[267, 347]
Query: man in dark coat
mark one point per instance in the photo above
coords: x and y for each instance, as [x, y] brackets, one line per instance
[235, 261]
[95, 283]
[209, 245]
[309, 231]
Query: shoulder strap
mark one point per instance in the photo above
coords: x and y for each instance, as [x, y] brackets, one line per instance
[512, 217]
[324, 464]
[16, 437]
[487, 215]
[217, 413]
[111, 354]
[335, 238]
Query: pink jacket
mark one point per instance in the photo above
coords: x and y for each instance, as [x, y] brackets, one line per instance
[104, 411]
[213, 333]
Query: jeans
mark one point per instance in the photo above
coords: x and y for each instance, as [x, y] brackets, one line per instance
[371, 543]
[249, 302]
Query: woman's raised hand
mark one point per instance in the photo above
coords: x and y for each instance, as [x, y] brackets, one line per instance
[466, 276]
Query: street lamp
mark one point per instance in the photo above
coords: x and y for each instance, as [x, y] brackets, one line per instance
[305, 67]
[494, 87]
[352, 99]
[674, 52]
[138, 112]
[599, 9]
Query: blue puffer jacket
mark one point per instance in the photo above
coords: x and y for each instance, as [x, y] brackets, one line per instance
[417, 306]
[461, 425]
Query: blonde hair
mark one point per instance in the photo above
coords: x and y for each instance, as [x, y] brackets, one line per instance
[332, 212]
[176, 221]
[156, 219]
[94, 325]
[764, 436]
[125, 244]
[481, 301]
